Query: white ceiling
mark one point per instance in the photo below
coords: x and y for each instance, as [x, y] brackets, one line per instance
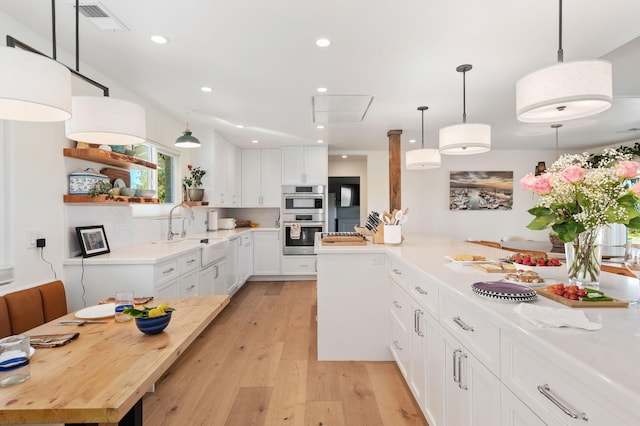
[261, 60]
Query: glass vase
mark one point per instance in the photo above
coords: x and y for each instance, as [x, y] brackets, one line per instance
[584, 256]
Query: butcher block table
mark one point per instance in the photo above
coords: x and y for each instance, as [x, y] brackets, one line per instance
[101, 377]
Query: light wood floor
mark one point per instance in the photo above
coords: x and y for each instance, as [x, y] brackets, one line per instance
[256, 365]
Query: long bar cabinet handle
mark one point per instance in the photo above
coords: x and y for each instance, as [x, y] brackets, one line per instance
[167, 271]
[416, 322]
[460, 376]
[456, 366]
[546, 391]
[421, 290]
[462, 324]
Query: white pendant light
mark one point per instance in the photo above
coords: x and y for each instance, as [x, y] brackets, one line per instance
[33, 87]
[106, 120]
[565, 91]
[465, 138]
[423, 159]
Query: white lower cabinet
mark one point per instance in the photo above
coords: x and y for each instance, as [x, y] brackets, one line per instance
[245, 257]
[213, 279]
[189, 284]
[515, 412]
[471, 391]
[233, 266]
[299, 265]
[266, 253]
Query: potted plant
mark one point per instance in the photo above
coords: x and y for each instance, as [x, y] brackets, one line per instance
[192, 183]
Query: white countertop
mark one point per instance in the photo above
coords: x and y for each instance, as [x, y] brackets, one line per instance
[156, 252]
[613, 351]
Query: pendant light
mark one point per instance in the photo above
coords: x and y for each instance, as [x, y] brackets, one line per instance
[33, 87]
[556, 126]
[423, 159]
[104, 120]
[565, 91]
[465, 138]
[187, 140]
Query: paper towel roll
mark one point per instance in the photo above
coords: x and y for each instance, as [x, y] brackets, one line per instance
[212, 221]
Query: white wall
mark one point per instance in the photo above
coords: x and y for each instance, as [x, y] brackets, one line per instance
[426, 194]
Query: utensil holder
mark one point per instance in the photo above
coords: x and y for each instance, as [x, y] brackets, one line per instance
[392, 234]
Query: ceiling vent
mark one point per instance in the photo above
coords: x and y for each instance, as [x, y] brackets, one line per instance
[100, 16]
[340, 108]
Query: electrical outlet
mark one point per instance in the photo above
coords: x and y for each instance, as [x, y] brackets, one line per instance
[32, 236]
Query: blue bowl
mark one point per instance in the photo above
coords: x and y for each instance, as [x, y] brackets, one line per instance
[153, 325]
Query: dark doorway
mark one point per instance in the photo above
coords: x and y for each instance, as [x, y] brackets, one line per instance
[343, 205]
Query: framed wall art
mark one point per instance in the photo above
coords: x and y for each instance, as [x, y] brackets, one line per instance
[480, 190]
[93, 240]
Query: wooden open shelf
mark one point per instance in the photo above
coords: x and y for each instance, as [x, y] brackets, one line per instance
[108, 157]
[102, 199]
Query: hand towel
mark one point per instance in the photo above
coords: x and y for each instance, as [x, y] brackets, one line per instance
[551, 317]
[295, 231]
[52, 340]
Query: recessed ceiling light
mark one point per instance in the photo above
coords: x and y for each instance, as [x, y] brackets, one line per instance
[345, 156]
[240, 126]
[319, 126]
[320, 141]
[323, 42]
[321, 89]
[159, 39]
[412, 141]
[254, 141]
[206, 89]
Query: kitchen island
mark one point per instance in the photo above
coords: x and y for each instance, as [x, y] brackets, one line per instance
[471, 360]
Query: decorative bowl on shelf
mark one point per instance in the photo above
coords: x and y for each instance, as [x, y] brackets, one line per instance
[127, 192]
[153, 325]
[147, 192]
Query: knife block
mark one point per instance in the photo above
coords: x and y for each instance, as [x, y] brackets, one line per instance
[378, 237]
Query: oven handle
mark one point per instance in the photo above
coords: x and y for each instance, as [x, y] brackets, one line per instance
[304, 223]
[303, 195]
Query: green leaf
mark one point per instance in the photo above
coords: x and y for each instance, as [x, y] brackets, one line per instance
[634, 223]
[541, 222]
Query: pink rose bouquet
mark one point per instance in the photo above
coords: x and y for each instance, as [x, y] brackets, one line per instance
[583, 192]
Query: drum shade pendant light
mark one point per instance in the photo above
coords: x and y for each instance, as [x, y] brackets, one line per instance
[423, 159]
[565, 91]
[465, 139]
[187, 140]
[33, 87]
[105, 120]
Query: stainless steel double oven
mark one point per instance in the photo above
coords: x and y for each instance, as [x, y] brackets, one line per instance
[303, 214]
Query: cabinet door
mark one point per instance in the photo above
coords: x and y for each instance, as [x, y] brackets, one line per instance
[232, 275]
[266, 253]
[271, 178]
[316, 166]
[166, 290]
[205, 284]
[251, 177]
[189, 285]
[233, 180]
[219, 278]
[471, 391]
[515, 413]
[292, 165]
[220, 173]
[246, 257]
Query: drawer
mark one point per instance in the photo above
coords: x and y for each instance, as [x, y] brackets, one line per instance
[299, 265]
[189, 285]
[399, 271]
[166, 271]
[466, 323]
[399, 347]
[425, 291]
[524, 371]
[400, 306]
[190, 262]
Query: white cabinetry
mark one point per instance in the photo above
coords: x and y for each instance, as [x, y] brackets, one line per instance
[305, 165]
[471, 391]
[261, 178]
[245, 256]
[266, 253]
[233, 266]
[299, 265]
[213, 279]
[225, 181]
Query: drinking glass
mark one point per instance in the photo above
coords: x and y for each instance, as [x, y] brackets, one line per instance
[14, 359]
[632, 263]
[124, 299]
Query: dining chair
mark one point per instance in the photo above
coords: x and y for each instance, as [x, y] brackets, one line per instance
[487, 243]
[529, 252]
[617, 270]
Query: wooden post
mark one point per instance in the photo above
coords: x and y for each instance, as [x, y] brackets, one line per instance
[395, 168]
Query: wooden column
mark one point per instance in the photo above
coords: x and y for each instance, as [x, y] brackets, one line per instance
[395, 168]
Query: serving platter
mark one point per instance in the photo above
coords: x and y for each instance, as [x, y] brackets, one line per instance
[615, 303]
[106, 310]
[507, 292]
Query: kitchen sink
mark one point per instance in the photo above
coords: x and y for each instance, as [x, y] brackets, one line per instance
[214, 250]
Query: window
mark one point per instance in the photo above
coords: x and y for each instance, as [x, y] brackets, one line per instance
[162, 179]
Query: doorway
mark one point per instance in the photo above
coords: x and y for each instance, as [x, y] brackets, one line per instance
[343, 204]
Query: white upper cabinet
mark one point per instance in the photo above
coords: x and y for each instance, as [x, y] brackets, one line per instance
[305, 165]
[226, 175]
[261, 179]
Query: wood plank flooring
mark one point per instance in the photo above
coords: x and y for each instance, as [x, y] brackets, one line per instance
[256, 365]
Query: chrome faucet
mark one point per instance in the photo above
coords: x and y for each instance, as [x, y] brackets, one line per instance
[170, 233]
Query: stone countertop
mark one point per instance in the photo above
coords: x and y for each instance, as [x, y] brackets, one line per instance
[157, 252]
[611, 352]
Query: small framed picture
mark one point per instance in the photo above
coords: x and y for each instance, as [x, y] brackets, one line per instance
[93, 240]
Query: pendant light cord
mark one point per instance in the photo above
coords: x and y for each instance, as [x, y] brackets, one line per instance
[560, 51]
[556, 126]
[421, 109]
[78, 35]
[53, 29]
[464, 97]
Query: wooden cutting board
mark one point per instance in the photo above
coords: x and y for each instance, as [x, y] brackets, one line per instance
[615, 303]
[502, 268]
[342, 240]
[117, 174]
